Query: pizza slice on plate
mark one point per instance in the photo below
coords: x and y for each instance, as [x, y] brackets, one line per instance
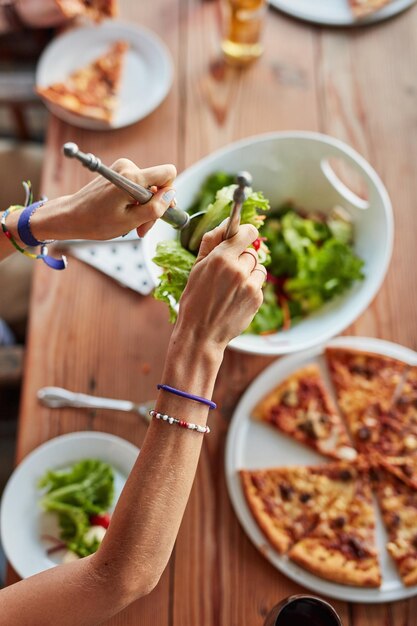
[342, 547]
[301, 407]
[390, 442]
[362, 8]
[389, 437]
[288, 502]
[365, 385]
[405, 404]
[95, 9]
[91, 91]
[398, 503]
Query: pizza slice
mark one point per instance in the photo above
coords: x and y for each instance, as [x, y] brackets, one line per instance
[301, 407]
[365, 385]
[388, 439]
[91, 91]
[342, 547]
[405, 404]
[288, 502]
[398, 504]
[94, 9]
[362, 8]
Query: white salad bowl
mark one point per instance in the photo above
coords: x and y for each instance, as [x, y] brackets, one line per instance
[295, 165]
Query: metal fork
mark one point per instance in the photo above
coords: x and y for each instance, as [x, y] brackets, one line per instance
[57, 397]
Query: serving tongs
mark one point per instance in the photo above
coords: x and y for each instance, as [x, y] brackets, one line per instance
[174, 216]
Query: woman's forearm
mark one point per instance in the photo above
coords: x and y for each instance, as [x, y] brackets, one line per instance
[152, 504]
[144, 526]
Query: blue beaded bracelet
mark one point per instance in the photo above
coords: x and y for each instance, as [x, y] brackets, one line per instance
[23, 226]
[189, 396]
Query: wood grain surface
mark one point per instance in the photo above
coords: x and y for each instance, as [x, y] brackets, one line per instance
[88, 334]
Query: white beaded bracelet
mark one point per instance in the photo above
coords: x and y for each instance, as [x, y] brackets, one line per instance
[181, 423]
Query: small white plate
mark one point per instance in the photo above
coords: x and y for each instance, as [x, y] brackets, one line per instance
[336, 12]
[22, 521]
[147, 75]
[252, 445]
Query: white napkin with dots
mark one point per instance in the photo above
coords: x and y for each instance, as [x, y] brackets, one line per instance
[122, 259]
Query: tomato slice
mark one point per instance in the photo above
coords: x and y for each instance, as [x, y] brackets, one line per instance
[102, 519]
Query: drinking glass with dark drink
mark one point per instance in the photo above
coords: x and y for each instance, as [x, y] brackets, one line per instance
[303, 610]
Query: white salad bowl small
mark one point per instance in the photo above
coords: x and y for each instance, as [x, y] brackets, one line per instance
[295, 165]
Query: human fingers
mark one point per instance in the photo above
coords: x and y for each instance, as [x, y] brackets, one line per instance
[145, 228]
[159, 175]
[155, 208]
[212, 239]
[151, 177]
[248, 260]
[244, 237]
[258, 276]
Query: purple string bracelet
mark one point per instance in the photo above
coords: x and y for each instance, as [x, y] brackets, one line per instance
[189, 396]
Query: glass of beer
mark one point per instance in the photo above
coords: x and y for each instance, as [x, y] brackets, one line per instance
[242, 23]
[303, 610]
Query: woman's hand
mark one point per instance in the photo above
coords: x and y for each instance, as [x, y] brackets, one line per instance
[102, 211]
[224, 290]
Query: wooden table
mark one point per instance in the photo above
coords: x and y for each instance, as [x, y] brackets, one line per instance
[88, 334]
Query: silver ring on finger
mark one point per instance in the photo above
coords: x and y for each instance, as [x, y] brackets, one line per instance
[255, 258]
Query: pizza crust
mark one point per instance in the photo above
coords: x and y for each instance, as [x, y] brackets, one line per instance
[91, 91]
[279, 539]
[362, 8]
[332, 565]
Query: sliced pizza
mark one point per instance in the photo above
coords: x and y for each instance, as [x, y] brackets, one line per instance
[97, 10]
[362, 8]
[288, 502]
[91, 91]
[389, 439]
[405, 403]
[342, 547]
[301, 407]
[365, 385]
[398, 504]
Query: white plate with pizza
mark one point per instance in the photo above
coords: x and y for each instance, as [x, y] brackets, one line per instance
[296, 532]
[342, 12]
[105, 76]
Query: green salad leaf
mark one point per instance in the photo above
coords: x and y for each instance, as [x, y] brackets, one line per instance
[85, 489]
[324, 273]
[208, 191]
[269, 317]
[310, 257]
[220, 209]
[176, 262]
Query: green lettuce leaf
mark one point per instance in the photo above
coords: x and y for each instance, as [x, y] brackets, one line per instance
[269, 317]
[176, 262]
[85, 489]
[324, 273]
[208, 191]
[220, 209]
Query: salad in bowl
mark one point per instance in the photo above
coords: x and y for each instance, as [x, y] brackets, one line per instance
[309, 257]
[326, 250]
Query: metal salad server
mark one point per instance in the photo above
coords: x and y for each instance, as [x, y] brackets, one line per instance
[243, 180]
[175, 217]
[57, 397]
